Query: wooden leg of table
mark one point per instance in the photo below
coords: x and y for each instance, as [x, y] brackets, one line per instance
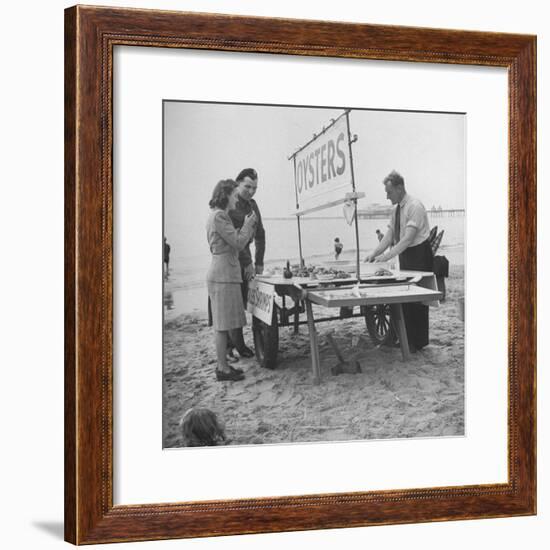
[314, 344]
[399, 321]
[296, 316]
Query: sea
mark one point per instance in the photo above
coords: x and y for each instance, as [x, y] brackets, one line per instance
[185, 287]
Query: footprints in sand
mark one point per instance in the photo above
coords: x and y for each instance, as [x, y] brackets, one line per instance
[388, 399]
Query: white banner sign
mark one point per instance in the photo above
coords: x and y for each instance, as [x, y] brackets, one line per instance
[322, 173]
[260, 300]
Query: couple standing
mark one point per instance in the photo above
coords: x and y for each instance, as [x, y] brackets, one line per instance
[234, 222]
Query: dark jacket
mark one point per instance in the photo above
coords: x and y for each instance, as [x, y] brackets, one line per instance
[242, 209]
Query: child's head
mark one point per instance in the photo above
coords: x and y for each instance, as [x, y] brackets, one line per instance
[337, 240]
[200, 428]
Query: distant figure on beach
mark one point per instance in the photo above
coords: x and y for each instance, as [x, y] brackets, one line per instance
[224, 274]
[166, 257]
[168, 299]
[379, 234]
[247, 181]
[200, 428]
[408, 232]
[338, 247]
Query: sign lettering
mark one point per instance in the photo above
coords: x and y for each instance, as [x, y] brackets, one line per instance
[260, 300]
[322, 168]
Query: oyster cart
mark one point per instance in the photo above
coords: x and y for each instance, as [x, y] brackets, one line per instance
[375, 299]
[277, 301]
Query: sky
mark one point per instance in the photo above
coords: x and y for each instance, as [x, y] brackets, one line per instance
[206, 142]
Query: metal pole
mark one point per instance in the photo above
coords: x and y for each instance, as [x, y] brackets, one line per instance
[358, 259]
[298, 216]
[300, 242]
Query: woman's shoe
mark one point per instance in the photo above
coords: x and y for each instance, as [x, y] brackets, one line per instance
[245, 352]
[231, 375]
[230, 357]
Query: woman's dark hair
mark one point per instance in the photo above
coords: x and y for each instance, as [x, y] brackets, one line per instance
[221, 193]
[200, 428]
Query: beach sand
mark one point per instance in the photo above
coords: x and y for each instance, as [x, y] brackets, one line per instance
[388, 399]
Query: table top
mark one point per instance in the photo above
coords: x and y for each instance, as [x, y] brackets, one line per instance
[307, 282]
[372, 295]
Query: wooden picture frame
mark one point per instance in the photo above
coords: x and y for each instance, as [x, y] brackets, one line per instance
[91, 33]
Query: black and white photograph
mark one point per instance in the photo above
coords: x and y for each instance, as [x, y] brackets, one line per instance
[184, 377]
[313, 274]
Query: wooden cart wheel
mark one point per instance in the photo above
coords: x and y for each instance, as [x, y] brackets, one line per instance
[266, 341]
[379, 324]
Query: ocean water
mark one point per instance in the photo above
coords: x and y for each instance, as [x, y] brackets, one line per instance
[185, 290]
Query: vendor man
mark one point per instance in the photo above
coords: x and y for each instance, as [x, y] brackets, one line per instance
[247, 182]
[407, 235]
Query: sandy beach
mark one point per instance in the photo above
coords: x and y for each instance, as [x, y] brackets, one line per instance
[388, 399]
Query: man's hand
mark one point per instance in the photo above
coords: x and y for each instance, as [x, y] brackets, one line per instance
[370, 258]
[383, 258]
[251, 218]
[259, 269]
[249, 272]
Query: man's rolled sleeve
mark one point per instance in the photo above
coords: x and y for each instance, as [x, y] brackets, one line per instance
[415, 217]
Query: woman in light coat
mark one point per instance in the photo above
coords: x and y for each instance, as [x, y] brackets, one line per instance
[224, 274]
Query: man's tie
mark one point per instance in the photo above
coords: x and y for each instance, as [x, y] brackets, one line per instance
[397, 224]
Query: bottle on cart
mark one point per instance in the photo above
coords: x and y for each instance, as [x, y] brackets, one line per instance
[287, 273]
